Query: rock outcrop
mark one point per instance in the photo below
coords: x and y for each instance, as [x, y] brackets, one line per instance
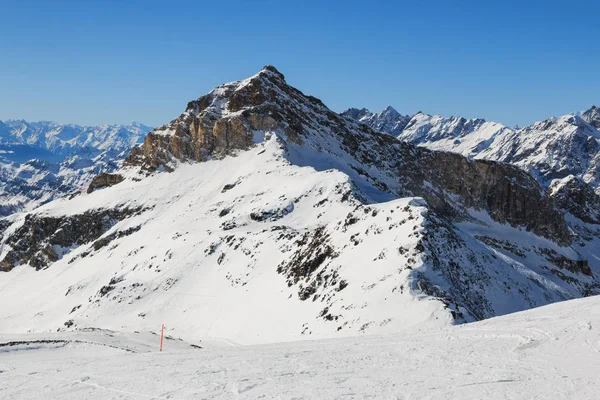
[575, 196]
[211, 128]
[42, 240]
[104, 180]
[451, 183]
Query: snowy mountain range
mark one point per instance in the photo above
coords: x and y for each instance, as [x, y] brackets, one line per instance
[69, 139]
[388, 121]
[556, 148]
[41, 161]
[260, 215]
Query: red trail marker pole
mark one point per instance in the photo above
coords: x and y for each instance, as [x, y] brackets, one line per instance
[162, 334]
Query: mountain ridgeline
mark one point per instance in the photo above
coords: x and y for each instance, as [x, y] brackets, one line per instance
[555, 148]
[262, 196]
[228, 118]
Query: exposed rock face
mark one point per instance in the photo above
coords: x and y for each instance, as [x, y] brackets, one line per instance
[211, 127]
[573, 195]
[506, 192]
[562, 262]
[104, 180]
[42, 240]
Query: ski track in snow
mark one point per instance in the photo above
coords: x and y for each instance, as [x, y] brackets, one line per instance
[549, 352]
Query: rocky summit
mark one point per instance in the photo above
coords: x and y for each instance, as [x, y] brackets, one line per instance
[261, 215]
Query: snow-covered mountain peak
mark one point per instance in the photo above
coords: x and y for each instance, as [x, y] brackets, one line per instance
[550, 149]
[458, 134]
[567, 125]
[236, 115]
[229, 118]
[592, 117]
[257, 85]
[386, 121]
[390, 112]
[357, 114]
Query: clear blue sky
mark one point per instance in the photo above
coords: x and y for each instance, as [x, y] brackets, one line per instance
[92, 62]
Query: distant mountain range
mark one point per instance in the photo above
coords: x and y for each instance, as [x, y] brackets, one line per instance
[69, 139]
[556, 148]
[40, 161]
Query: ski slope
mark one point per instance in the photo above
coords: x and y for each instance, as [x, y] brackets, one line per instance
[182, 268]
[549, 352]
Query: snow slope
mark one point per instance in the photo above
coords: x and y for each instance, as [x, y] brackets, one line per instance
[211, 256]
[202, 263]
[282, 221]
[550, 352]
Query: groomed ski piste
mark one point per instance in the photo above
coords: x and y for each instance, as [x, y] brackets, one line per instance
[551, 352]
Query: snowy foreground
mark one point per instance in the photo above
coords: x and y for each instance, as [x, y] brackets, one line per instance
[549, 352]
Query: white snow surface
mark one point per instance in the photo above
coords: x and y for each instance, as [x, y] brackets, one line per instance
[550, 352]
[183, 269]
[203, 258]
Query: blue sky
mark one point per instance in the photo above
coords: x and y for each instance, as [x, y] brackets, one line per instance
[92, 62]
